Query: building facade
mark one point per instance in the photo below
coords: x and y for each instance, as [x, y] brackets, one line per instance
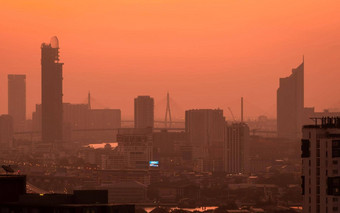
[136, 145]
[51, 92]
[236, 148]
[144, 112]
[205, 129]
[290, 104]
[6, 132]
[320, 146]
[17, 100]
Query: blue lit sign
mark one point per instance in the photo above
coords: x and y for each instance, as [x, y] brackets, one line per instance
[153, 163]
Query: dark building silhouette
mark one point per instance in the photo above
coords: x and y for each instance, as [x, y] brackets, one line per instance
[14, 198]
[290, 104]
[205, 128]
[236, 148]
[17, 100]
[52, 92]
[6, 132]
[144, 112]
[170, 148]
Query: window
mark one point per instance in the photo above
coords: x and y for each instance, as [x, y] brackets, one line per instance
[336, 148]
[305, 148]
[335, 208]
[335, 172]
[335, 162]
[333, 186]
[318, 144]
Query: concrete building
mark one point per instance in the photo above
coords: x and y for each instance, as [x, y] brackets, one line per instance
[236, 148]
[17, 100]
[144, 112]
[290, 104]
[6, 132]
[167, 148]
[51, 92]
[320, 155]
[205, 129]
[136, 146]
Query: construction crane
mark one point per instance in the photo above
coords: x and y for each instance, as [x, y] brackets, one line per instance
[231, 112]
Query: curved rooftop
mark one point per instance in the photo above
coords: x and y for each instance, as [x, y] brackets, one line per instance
[54, 42]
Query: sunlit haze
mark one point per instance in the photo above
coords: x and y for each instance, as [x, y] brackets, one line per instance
[206, 53]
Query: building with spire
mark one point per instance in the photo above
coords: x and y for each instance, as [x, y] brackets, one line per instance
[290, 104]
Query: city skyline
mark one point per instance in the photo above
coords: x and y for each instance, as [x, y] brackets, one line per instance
[159, 62]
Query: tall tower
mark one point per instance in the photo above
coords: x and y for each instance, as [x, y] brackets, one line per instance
[168, 112]
[290, 104]
[17, 100]
[51, 92]
[144, 112]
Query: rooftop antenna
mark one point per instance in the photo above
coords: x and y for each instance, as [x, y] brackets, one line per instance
[89, 100]
[241, 109]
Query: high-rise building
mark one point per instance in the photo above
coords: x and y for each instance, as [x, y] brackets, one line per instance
[136, 146]
[236, 148]
[320, 146]
[52, 92]
[6, 132]
[205, 128]
[144, 112]
[290, 104]
[17, 100]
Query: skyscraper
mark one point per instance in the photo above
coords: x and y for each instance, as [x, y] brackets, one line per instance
[205, 128]
[17, 100]
[144, 112]
[52, 92]
[236, 148]
[290, 104]
[320, 146]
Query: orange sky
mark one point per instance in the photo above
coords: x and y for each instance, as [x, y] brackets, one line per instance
[206, 53]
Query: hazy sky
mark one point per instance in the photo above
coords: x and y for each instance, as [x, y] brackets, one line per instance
[206, 53]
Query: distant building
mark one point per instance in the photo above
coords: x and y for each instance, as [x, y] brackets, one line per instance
[205, 129]
[136, 146]
[51, 92]
[82, 123]
[144, 112]
[290, 104]
[168, 148]
[105, 118]
[6, 132]
[17, 100]
[320, 148]
[236, 148]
